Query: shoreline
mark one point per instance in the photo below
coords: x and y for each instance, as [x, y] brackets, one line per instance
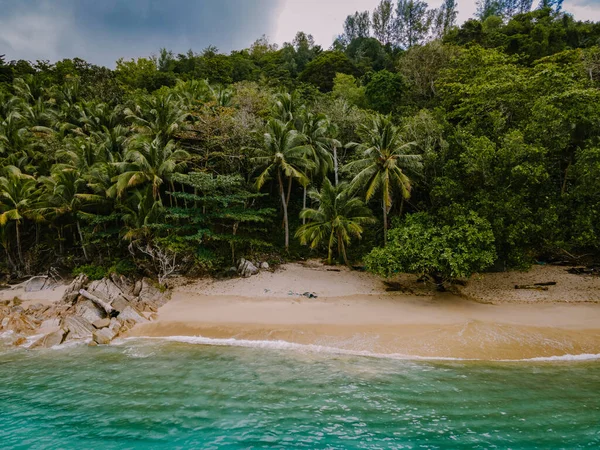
[315, 306]
[353, 312]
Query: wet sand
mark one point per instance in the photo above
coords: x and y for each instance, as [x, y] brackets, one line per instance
[354, 312]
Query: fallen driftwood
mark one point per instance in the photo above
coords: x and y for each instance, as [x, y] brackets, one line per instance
[109, 310]
[547, 283]
[531, 286]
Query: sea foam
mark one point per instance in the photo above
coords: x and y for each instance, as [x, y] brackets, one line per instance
[314, 348]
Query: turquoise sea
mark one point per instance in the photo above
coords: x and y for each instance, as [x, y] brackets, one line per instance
[158, 394]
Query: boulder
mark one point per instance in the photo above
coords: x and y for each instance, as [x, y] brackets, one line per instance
[120, 303]
[78, 328]
[49, 324]
[89, 311]
[264, 265]
[20, 323]
[4, 322]
[151, 294]
[50, 339]
[35, 284]
[137, 288]
[105, 289]
[101, 323]
[130, 314]
[115, 325]
[103, 336]
[72, 291]
[246, 268]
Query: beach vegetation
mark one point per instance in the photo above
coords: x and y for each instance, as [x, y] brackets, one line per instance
[477, 142]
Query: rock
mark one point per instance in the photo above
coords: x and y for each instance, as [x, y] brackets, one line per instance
[101, 323]
[89, 311]
[310, 295]
[35, 284]
[20, 323]
[137, 288]
[264, 265]
[149, 293]
[105, 289]
[35, 308]
[123, 284]
[131, 314]
[246, 268]
[103, 336]
[121, 303]
[78, 328]
[19, 341]
[50, 339]
[4, 322]
[49, 324]
[115, 325]
[72, 291]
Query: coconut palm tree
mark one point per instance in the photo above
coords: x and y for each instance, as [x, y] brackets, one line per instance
[151, 162]
[384, 165]
[158, 116]
[338, 218]
[17, 195]
[65, 195]
[316, 128]
[284, 154]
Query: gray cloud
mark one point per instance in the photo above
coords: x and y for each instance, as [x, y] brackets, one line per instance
[101, 31]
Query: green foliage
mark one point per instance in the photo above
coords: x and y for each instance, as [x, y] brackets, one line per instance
[338, 219]
[422, 245]
[322, 70]
[385, 91]
[97, 272]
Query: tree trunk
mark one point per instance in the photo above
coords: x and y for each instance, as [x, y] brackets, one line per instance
[384, 224]
[342, 248]
[81, 240]
[19, 242]
[330, 250]
[285, 211]
[289, 191]
[564, 184]
[304, 204]
[335, 164]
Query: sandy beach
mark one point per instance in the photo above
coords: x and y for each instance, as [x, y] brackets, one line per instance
[352, 311]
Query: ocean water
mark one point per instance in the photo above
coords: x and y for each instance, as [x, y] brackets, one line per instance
[159, 394]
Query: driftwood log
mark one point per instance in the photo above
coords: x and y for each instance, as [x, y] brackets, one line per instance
[531, 286]
[108, 309]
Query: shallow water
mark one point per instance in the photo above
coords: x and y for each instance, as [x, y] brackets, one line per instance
[164, 394]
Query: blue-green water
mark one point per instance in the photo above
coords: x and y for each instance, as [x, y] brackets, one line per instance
[158, 394]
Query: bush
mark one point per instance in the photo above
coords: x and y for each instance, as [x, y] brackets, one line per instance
[422, 245]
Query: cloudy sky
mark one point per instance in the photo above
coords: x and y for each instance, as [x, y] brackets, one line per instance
[101, 31]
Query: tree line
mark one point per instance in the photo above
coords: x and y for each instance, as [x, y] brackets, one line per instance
[412, 145]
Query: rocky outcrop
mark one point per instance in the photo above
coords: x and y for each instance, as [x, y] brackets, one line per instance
[98, 311]
[246, 268]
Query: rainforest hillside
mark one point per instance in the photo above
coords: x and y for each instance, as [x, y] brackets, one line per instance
[411, 145]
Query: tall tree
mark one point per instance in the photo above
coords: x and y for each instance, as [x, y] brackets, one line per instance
[384, 164]
[283, 154]
[412, 22]
[383, 21]
[338, 218]
[357, 25]
[444, 18]
[17, 196]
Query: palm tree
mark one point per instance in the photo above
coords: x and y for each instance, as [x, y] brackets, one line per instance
[140, 210]
[339, 217]
[17, 194]
[65, 196]
[316, 128]
[384, 164]
[158, 116]
[284, 154]
[153, 162]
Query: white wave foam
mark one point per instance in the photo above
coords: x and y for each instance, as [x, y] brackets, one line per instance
[313, 348]
[581, 357]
